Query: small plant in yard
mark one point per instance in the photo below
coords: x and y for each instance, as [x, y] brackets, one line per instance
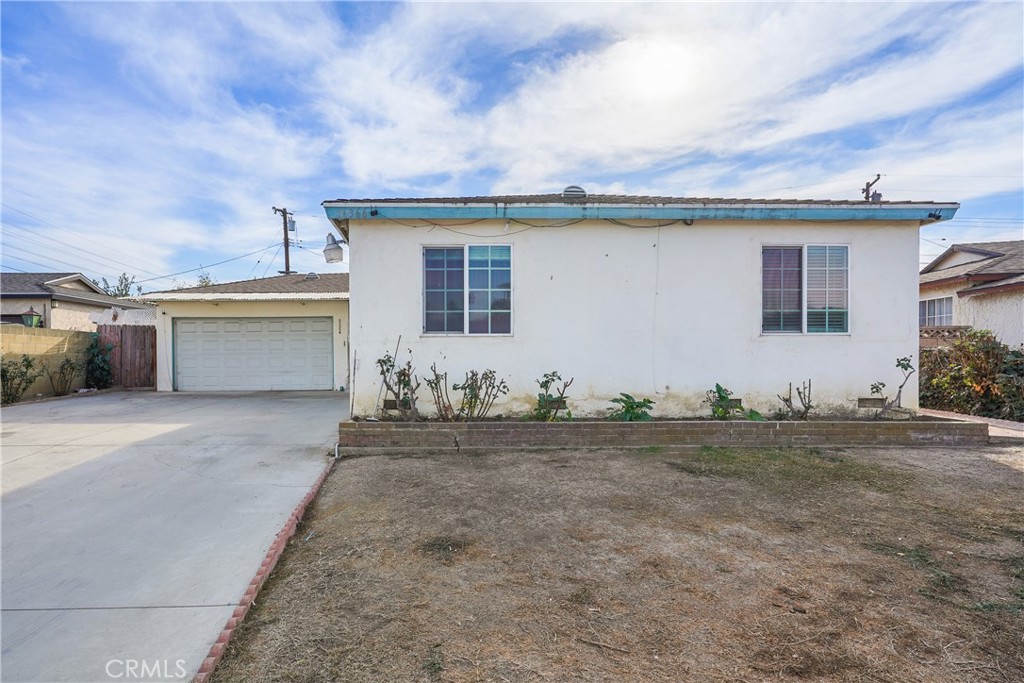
[438, 385]
[434, 664]
[631, 409]
[803, 394]
[479, 391]
[724, 407]
[401, 383]
[905, 366]
[721, 402]
[550, 404]
[64, 376]
[16, 376]
[99, 374]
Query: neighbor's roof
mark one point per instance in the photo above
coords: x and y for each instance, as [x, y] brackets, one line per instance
[51, 286]
[603, 206]
[304, 287]
[1001, 265]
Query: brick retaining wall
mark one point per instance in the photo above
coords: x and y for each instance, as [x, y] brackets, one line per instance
[433, 435]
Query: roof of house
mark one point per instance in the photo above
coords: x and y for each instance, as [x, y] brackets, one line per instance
[575, 204]
[1000, 265]
[300, 287]
[638, 200]
[53, 286]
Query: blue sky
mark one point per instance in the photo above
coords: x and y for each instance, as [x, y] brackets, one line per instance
[154, 138]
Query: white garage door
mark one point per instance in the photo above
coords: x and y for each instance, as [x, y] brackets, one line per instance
[247, 354]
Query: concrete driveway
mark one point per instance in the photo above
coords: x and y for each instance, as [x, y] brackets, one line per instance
[133, 522]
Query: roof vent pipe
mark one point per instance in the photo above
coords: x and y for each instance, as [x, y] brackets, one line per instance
[574, 192]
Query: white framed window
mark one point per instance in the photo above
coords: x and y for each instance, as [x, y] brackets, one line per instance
[935, 312]
[467, 289]
[805, 289]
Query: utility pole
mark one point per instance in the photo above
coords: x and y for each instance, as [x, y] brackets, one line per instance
[284, 227]
[869, 196]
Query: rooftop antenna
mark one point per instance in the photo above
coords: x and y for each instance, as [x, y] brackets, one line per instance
[870, 196]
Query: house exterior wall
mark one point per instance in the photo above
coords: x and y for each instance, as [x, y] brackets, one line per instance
[168, 311]
[69, 315]
[658, 312]
[959, 258]
[77, 284]
[1000, 312]
[66, 315]
[19, 306]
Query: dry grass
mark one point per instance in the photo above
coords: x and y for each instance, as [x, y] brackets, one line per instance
[666, 565]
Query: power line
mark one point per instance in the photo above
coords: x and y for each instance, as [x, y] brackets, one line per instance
[35, 263]
[272, 259]
[259, 261]
[70, 232]
[192, 270]
[105, 269]
[16, 247]
[936, 175]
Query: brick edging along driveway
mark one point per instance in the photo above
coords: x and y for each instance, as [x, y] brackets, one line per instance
[262, 574]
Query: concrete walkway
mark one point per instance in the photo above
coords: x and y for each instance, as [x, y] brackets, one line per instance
[1003, 429]
[133, 522]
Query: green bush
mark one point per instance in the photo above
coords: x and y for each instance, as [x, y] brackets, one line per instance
[976, 375]
[16, 376]
[550, 404]
[631, 409]
[98, 372]
[479, 391]
[64, 376]
[724, 407]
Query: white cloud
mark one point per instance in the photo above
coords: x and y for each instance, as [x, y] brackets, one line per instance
[211, 113]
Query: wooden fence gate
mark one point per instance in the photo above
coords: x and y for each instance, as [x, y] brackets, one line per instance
[133, 358]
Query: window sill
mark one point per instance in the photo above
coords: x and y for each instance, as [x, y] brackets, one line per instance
[805, 334]
[460, 335]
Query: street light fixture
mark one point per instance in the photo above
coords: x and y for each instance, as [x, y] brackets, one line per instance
[333, 252]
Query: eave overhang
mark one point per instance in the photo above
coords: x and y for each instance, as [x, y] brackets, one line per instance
[372, 210]
[995, 289]
[962, 279]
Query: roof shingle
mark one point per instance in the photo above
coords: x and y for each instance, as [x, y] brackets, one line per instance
[324, 283]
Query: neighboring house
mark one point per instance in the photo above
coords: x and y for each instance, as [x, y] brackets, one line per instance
[285, 332]
[660, 297]
[979, 285]
[64, 301]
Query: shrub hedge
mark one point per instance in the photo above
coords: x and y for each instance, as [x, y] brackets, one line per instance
[976, 375]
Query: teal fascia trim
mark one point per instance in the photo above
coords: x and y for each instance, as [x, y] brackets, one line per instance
[722, 212]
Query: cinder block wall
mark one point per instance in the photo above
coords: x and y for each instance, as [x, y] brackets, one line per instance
[43, 346]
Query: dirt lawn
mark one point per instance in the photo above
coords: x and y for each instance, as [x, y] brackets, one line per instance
[710, 564]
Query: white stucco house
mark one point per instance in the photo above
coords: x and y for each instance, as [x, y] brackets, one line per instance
[978, 285]
[660, 297]
[288, 332]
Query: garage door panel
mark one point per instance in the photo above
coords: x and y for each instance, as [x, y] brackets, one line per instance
[246, 354]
